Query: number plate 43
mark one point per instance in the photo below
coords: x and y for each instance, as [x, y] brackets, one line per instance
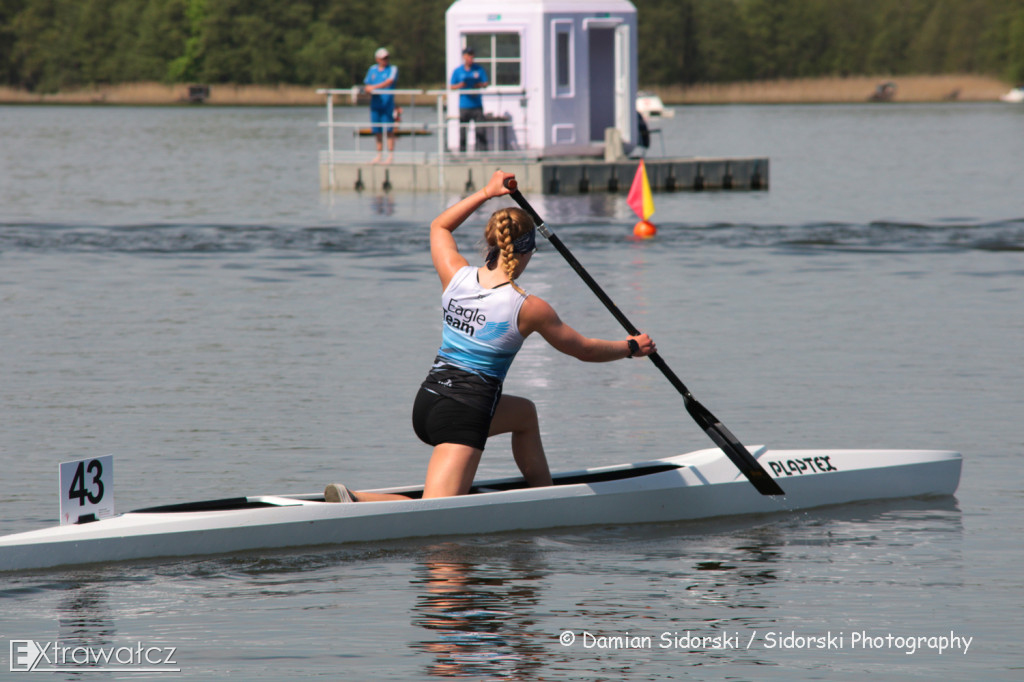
[87, 490]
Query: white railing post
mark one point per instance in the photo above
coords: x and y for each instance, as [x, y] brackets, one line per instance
[410, 113]
[330, 140]
[442, 140]
[442, 134]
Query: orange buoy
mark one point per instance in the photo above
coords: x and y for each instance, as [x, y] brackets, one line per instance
[645, 229]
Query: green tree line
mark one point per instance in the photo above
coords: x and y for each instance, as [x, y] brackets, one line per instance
[46, 45]
[690, 41]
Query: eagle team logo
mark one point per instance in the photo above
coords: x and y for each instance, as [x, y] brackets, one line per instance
[472, 322]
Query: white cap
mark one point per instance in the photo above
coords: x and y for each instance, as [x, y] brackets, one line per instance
[381, 53]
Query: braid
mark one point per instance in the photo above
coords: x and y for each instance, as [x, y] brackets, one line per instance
[509, 257]
[504, 227]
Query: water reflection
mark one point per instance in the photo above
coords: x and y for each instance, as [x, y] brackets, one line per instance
[478, 613]
[85, 619]
[84, 616]
[384, 204]
[751, 575]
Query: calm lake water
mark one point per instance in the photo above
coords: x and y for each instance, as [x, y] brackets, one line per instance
[176, 291]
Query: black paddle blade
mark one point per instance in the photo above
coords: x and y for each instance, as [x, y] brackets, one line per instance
[721, 436]
[732, 448]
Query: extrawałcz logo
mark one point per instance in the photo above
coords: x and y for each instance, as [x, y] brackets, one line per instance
[30, 656]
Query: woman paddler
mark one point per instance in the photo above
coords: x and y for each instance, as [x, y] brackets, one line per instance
[486, 317]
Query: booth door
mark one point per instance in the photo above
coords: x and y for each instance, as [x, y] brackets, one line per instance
[608, 58]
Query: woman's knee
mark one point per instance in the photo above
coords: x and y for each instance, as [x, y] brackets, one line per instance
[524, 409]
[515, 415]
[529, 409]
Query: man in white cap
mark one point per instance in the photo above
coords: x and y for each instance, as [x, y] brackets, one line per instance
[382, 76]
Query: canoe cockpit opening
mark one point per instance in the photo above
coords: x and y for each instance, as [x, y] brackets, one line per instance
[575, 479]
[227, 504]
[238, 503]
[565, 479]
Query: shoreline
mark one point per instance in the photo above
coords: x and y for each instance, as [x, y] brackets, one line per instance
[829, 90]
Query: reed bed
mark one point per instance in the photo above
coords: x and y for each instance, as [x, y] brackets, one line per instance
[951, 87]
[959, 87]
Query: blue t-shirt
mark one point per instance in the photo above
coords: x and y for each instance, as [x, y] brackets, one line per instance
[376, 75]
[472, 78]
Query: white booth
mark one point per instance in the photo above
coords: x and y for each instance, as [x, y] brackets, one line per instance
[561, 73]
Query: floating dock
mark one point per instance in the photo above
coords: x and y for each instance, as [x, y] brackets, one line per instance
[427, 157]
[549, 176]
[558, 105]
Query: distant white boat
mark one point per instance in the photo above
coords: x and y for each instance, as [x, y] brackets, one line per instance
[1015, 95]
[649, 105]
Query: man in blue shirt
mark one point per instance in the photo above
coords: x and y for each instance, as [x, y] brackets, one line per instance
[470, 76]
[382, 76]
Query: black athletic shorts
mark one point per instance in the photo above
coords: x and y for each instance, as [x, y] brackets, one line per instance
[439, 419]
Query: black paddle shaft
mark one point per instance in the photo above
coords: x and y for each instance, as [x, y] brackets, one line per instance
[722, 436]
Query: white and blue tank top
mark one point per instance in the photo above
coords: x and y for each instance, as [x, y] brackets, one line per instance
[481, 326]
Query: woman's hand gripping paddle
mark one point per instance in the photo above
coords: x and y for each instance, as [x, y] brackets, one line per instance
[722, 437]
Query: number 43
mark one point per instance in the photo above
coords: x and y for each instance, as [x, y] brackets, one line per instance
[78, 488]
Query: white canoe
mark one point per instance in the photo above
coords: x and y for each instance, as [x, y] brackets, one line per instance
[697, 485]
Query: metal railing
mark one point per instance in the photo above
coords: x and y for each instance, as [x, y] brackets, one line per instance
[503, 130]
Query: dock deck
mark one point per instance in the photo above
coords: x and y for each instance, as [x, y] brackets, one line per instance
[548, 176]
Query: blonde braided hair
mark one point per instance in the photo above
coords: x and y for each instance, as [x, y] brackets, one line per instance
[505, 226]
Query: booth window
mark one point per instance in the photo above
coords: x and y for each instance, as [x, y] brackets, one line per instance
[499, 54]
[563, 58]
